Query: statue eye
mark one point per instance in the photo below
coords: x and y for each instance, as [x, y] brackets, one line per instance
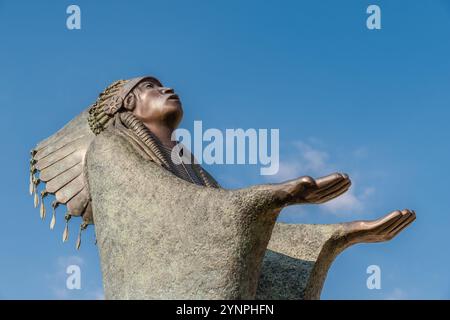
[149, 85]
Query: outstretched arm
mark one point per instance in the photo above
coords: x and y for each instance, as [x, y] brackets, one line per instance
[299, 256]
[303, 190]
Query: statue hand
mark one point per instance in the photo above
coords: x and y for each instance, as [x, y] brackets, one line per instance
[382, 229]
[306, 190]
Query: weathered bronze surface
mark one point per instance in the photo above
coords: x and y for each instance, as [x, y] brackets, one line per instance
[81, 168]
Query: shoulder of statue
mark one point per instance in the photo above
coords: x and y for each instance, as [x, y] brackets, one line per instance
[119, 142]
[112, 142]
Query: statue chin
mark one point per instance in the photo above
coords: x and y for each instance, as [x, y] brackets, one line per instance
[173, 104]
[173, 112]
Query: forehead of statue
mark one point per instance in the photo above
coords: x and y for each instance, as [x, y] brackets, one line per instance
[151, 80]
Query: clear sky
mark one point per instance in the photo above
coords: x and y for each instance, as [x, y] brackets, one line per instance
[372, 103]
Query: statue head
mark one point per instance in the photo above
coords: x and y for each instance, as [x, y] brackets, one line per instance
[154, 104]
[145, 97]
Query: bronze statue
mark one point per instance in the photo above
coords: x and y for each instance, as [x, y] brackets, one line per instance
[168, 230]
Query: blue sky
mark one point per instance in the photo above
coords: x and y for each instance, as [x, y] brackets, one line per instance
[372, 103]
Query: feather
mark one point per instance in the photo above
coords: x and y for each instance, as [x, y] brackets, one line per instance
[65, 236]
[62, 153]
[36, 199]
[43, 153]
[64, 178]
[79, 240]
[77, 205]
[55, 205]
[60, 167]
[31, 188]
[42, 210]
[70, 190]
[76, 124]
[53, 221]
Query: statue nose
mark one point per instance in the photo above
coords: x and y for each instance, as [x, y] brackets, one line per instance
[165, 90]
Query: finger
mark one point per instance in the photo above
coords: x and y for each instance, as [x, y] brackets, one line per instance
[330, 179]
[382, 224]
[333, 189]
[402, 226]
[404, 217]
[333, 195]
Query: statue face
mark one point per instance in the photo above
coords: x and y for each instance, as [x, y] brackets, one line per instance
[156, 104]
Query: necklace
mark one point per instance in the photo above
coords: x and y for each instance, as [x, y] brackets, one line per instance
[163, 153]
[170, 152]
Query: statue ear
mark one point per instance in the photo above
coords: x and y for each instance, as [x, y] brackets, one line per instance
[130, 102]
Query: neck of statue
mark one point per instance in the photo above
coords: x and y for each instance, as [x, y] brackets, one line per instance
[163, 133]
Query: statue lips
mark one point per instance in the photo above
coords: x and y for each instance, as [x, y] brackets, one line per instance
[174, 97]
